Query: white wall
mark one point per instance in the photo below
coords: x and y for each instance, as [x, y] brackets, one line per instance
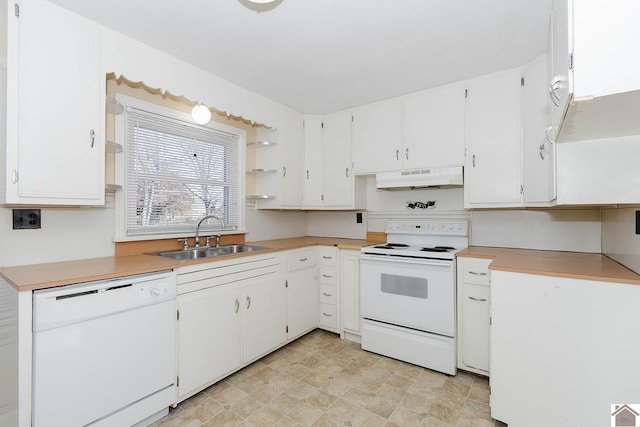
[266, 225]
[336, 224]
[619, 240]
[554, 229]
[66, 234]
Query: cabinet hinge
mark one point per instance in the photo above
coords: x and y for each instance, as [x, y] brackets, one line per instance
[177, 314]
[322, 197]
[521, 81]
[522, 189]
[286, 283]
[466, 93]
[571, 60]
[287, 329]
[490, 320]
[322, 125]
[16, 9]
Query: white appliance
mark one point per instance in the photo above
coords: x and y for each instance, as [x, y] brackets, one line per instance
[420, 178]
[104, 352]
[408, 293]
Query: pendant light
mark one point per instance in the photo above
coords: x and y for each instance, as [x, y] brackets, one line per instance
[201, 114]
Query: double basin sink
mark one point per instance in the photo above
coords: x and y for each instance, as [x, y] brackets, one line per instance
[209, 252]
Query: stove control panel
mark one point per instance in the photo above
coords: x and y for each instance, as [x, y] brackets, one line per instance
[450, 228]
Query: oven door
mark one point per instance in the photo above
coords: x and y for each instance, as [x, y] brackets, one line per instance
[410, 292]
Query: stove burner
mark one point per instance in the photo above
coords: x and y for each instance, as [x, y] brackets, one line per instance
[391, 246]
[438, 249]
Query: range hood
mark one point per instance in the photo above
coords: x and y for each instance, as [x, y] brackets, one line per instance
[420, 178]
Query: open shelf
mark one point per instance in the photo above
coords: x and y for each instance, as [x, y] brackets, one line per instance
[114, 106]
[112, 147]
[259, 197]
[260, 170]
[261, 143]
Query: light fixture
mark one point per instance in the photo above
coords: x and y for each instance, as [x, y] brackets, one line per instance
[260, 5]
[201, 114]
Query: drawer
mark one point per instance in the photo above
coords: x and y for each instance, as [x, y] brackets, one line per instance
[298, 260]
[328, 256]
[476, 271]
[328, 275]
[328, 315]
[328, 294]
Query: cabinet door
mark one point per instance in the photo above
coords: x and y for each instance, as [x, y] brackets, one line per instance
[292, 140]
[312, 198]
[209, 336]
[475, 326]
[377, 130]
[60, 156]
[336, 166]
[264, 316]
[350, 284]
[302, 301]
[494, 131]
[538, 175]
[560, 85]
[433, 127]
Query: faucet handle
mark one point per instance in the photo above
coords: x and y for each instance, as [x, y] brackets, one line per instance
[208, 241]
[185, 243]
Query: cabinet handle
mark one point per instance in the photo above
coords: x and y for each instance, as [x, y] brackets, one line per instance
[237, 305]
[248, 302]
[284, 171]
[307, 174]
[540, 150]
[327, 315]
[14, 177]
[303, 259]
[326, 257]
[406, 153]
[473, 160]
[327, 276]
[326, 294]
[397, 154]
[346, 172]
[92, 134]
[553, 87]
[547, 132]
[478, 299]
[482, 273]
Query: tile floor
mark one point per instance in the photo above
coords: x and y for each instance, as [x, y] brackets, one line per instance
[321, 380]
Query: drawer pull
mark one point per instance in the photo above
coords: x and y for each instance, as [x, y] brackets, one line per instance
[327, 257]
[482, 273]
[303, 259]
[478, 299]
[327, 276]
[327, 314]
[327, 295]
[248, 302]
[237, 305]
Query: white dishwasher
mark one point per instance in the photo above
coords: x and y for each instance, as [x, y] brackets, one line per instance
[104, 352]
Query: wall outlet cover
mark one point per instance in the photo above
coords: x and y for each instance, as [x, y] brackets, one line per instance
[26, 219]
[637, 222]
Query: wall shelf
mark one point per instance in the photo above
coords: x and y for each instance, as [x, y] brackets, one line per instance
[113, 147]
[259, 197]
[261, 170]
[261, 143]
[111, 188]
[114, 106]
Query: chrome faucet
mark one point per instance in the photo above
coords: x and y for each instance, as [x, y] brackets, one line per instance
[196, 241]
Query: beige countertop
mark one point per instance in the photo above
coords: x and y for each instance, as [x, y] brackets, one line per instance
[47, 275]
[576, 265]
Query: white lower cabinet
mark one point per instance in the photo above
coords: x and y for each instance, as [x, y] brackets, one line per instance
[229, 314]
[302, 291]
[473, 314]
[350, 292]
[328, 278]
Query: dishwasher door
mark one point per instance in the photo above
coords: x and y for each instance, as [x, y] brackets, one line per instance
[104, 352]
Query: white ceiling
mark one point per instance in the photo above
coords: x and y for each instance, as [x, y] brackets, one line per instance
[322, 56]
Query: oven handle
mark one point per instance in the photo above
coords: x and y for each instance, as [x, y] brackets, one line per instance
[417, 261]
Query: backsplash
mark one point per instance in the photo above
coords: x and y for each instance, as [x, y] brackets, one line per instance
[619, 240]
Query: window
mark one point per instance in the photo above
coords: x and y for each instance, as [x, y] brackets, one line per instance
[176, 172]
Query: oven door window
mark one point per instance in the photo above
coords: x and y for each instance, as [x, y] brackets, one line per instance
[416, 287]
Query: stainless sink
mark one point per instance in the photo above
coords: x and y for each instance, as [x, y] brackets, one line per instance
[208, 252]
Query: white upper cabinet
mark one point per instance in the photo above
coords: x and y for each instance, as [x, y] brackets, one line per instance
[560, 85]
[433, 127]
[338, 184]
[312, 198]
[55, 114]
[377, 134]
[292, 145]
[538, 151]
[494, 131]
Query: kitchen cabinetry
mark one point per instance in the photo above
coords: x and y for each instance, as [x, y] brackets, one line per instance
[350, 293]
[560, 83]
[493, 174]
[302, 291]
[229, 314]
[539, 152]
[54, 149]
[377, 133]
[473, 314]
[328, 278]
[560, 342]
[282, 189]
[312, 197]
[433, 127]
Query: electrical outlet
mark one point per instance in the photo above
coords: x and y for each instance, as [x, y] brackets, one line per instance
[358, 217]
[637, 222]
[26, 219]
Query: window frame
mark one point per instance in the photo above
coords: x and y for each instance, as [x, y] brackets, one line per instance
[121, 171]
